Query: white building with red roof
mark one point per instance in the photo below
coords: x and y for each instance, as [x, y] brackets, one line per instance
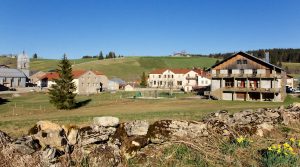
[86, 82]
[186, 79]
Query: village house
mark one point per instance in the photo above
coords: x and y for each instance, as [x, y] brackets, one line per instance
[35, 78]
[247, 78]
[186, 79]
[15, 78]
[86, 82]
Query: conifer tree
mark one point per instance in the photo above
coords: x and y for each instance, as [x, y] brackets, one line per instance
[62, 93]
[101, 56]
[143, 80]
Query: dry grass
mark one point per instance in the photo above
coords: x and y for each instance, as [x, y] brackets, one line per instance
[215, 150]
[20, 113]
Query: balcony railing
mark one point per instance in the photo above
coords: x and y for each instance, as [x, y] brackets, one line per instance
[246, 75]
[191, 78]
[241, 89]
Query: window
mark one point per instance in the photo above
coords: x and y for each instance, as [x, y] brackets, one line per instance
[202, 82]
[254, 71]
[159, 76]
[154, 82]
[168, 76]
[242, 71]
[179, 83]
[206, 82]
[172, 76]
[241, 62]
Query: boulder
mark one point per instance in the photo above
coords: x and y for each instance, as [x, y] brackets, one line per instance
[106, 121]
[4, 139]
[26, 145]
[51, 134]
[72, 136]
[136, 128]
[90, 135]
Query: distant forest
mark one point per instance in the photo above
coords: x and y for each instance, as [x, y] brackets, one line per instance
[276, 55]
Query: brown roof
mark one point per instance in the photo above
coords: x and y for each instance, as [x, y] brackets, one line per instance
[76, 74]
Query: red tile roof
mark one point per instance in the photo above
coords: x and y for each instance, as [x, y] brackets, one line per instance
[76, 74]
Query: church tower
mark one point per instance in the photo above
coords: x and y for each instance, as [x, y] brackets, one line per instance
[23, 63]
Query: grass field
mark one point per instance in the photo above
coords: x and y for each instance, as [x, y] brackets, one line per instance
[130, 68]
[20, 113]
[51, 64]
[294, 67]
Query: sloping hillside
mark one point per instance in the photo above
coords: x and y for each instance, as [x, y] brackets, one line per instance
[51, 64]
[130, 68]
[11, 62]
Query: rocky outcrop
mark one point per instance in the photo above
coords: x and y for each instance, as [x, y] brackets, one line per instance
[106, 142]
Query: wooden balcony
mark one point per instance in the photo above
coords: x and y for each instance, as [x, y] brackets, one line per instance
[246, 76]
[240, 89]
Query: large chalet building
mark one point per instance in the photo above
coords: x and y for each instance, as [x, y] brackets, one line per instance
[186, 79]
[247, 78]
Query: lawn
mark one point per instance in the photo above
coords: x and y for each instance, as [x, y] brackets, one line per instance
[20, 113]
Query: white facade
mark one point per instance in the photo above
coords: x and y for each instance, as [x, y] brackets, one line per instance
[177, 78]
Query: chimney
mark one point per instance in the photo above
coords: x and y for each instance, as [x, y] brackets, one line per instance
[267, 57]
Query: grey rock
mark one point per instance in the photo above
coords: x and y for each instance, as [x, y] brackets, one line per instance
[96, 134]
[136, 128]
[26, 145]
[106, 121]
[4, 139]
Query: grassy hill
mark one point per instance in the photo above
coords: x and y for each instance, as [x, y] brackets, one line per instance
[51, 64]
[11, 62]
[130, 68]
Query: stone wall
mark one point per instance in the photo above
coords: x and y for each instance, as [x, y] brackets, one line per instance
[107, 142]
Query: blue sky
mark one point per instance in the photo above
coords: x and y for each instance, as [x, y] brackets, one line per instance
[146, 27]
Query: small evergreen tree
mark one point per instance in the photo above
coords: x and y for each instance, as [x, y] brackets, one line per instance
[61, 93]
[143, 80]
[101, 56]
[35, 56]
[218, 61]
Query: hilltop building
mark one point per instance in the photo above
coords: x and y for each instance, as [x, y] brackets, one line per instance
[247, 78]
[186, 79]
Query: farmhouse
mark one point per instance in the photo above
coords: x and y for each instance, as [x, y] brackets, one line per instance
[86, 82]
[245, 77]
[186, 79]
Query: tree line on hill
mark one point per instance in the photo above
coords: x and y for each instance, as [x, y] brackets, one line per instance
[277, 55]
[110, 55]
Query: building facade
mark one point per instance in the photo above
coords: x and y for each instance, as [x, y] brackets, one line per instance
[86, 82]
[15, 78]
[247, 78]
[178, 78]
